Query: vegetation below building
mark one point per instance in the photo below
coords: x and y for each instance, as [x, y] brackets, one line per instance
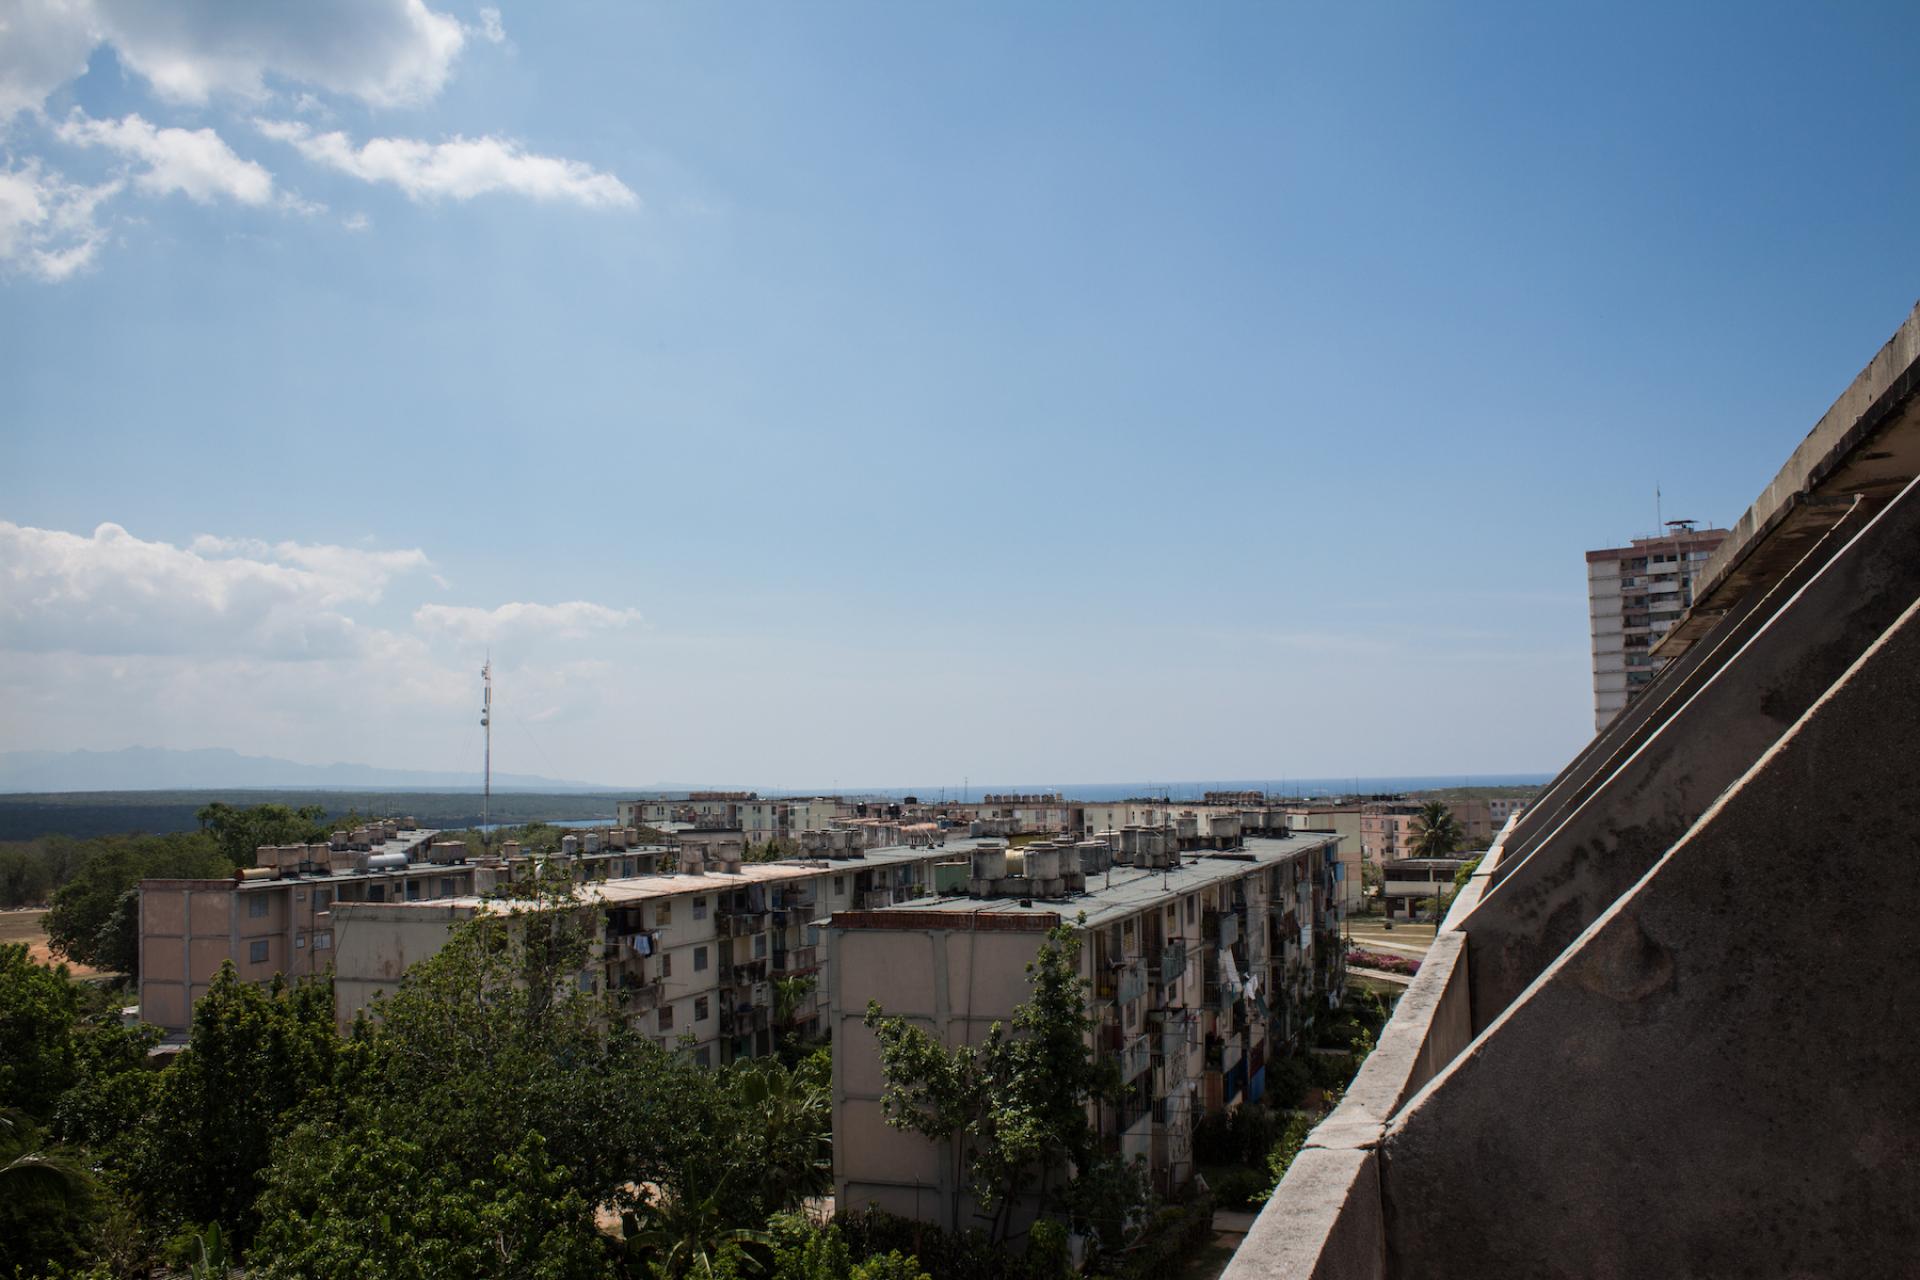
[1243, 1154]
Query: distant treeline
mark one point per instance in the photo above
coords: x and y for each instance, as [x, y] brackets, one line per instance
[85, 814]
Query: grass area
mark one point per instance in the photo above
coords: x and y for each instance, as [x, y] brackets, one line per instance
[25, 926]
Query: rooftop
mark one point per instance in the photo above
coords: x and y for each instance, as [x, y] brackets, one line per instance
[1109, 895]
[615, 892]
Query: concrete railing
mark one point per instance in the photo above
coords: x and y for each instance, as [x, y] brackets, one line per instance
[1326, 1219]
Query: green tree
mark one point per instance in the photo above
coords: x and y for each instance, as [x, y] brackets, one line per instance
[93, 921]
[26, 874]
[254, 1057]
[782, 1124]
[490, 1040]
[38, 1006]
[348, 1204]
[46, 1199]
[1436, 832]
[1012, 1111]
[240, 831]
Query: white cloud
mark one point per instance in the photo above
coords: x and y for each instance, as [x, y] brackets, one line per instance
[47, 226]
[491, 28]
[196, 163]
[459, 169]
[572, 620]
[43, 44]
[356, 222]
[278, 648]
[115, 593]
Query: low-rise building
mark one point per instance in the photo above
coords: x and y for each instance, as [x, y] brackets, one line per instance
[1201, 968]
[693, 955]
[1407, 882]
[276, 917]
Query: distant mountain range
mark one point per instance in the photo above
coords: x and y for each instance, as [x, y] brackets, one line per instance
[165, 769]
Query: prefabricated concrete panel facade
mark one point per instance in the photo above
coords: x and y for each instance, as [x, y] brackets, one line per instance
[956, 982]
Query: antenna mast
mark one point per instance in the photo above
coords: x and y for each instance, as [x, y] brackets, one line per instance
[486, 727]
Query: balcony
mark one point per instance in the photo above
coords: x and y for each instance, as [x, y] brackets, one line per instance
[636, 996]
[1130, 983]
[797, 960]
[1170, 964]
[1222, 927]
[744, 1020]
[740, 924]
[1136, 1057]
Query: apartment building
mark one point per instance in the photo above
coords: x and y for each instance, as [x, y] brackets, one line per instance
[1046, 813]
[281, 916]
[1634, 594]
[276, 917]
[1386, 830]
[692, 954]
[1202, 967]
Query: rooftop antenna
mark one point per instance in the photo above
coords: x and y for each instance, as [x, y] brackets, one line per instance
[486, 728]
[1659, 525]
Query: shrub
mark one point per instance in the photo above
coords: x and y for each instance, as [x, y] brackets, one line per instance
[1242, 1189]
[1170, 1240]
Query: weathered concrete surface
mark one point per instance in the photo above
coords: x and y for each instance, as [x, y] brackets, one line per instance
[1709, 1082]
[1323, 1223]
[1741, 707]
[1867, 443]
[1669, 691]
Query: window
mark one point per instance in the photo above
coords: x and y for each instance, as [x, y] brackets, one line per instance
[446, 886]
[1190, 910]
[666, 1017]
[413, 891]
[663, 915]
[586, 984]
[699, 908]
[323, 942]
[257, 952]
[759, 946]
[322, 899]
[301, 942]
[256, 905]
[839, 886]
[376, 893]
[700, 1009]
[666, 964]
[699, 959]
[703, 1056]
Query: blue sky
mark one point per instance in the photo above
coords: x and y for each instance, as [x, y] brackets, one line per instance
[886, 394]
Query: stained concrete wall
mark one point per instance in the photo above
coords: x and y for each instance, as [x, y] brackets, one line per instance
[1771, 668]
[1691, 1050]
[1707, 1082]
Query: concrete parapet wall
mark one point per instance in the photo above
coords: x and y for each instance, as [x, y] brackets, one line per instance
[1324, 1220]
[1323, 1223]
[1705, 1083]
[1770, 668]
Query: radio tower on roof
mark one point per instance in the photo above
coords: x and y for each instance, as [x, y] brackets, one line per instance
[486, 728]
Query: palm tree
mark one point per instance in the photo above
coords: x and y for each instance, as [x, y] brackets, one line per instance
[1436, 832]
[794, 1119]
[26, 1169]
